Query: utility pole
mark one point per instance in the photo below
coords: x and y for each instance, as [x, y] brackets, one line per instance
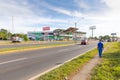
[75, 31]
[12, 26]
[75, 25]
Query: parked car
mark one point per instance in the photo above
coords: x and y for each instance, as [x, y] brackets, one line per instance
[16, 39]
[84, 42]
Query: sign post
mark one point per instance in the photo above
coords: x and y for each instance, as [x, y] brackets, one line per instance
[113, 36]
[92, 28]
[45, 30]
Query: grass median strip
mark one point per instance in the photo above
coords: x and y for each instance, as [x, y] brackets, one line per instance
[16, 49]
[109, 68]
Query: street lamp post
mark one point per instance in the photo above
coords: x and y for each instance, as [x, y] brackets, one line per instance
[75, 37]
[75, 31]
[12, 26]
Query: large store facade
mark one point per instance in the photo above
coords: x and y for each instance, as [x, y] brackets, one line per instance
[68, 34]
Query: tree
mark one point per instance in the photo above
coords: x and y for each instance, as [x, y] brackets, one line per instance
[106, 37]
[95, 38]
[25, 37]
[4, 34]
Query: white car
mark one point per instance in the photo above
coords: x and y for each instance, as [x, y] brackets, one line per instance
[17, 39]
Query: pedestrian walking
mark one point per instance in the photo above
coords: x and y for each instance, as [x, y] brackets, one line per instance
[100, 47]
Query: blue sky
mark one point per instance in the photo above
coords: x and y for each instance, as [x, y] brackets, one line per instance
[33, 15]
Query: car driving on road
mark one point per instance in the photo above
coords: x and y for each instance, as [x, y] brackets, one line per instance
[84, 42]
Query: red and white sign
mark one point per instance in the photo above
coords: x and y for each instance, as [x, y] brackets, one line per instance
[46, 28]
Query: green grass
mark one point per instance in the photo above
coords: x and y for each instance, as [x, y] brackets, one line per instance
[69, 68]
[109, 69]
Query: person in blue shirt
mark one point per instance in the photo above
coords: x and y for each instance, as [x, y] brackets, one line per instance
[100, 47]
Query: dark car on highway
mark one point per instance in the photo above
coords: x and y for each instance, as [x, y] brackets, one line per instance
[84, 42]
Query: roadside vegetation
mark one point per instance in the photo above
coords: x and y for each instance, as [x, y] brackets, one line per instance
[109, 68]
[69, 68]
[7, 35]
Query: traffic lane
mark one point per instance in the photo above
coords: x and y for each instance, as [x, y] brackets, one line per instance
[32, 53]
[37, 67]
[24, 69]
[14, 45]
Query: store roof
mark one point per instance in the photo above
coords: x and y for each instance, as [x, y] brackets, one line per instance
[71, 29]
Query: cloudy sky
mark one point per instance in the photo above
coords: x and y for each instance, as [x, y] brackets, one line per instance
[21, 16]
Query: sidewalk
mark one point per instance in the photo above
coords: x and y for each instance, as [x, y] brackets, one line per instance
[84, 73]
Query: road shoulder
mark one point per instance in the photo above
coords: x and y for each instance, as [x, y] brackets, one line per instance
[84, 73]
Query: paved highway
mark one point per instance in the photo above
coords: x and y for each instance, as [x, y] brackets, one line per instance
[27, 64]
[14, 45]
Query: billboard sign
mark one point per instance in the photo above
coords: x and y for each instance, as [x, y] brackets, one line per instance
[113, 34]
[46, 28]
[92, 27]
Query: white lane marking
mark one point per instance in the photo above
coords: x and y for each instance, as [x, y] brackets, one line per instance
[15, 60]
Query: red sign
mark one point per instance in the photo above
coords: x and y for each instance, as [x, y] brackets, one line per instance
[46, 28]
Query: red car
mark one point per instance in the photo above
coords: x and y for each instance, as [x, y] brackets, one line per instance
[84, 42]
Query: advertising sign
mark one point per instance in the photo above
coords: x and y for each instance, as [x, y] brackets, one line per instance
[113, 33]
[92, 27]
[46, 28]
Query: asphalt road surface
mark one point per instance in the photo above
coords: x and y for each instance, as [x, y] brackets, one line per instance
[14, 45]
[27, 64]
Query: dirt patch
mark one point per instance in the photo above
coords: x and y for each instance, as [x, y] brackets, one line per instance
[84, 73]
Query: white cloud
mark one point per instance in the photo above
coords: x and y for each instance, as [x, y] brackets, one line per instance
[67, 12]
[106, 23]
[82, 4]
[112, 18]
[13, 9]
[62, 10]
[25, 18]
[114, 5]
